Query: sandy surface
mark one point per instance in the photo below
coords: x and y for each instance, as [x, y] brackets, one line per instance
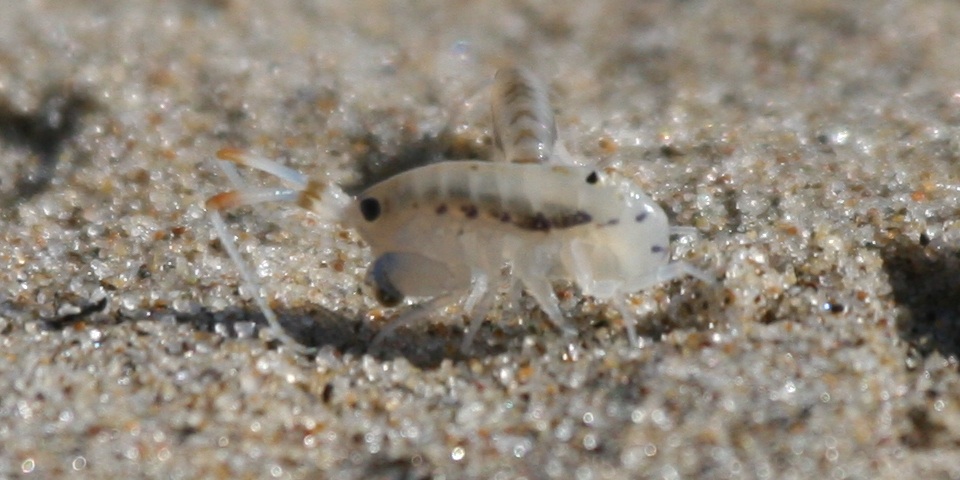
[814, 146]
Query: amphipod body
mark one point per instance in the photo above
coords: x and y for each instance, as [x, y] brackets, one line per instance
[448, 229]
[524, 129]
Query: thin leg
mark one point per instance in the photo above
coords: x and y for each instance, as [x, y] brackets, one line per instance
[291, 177]
[238, 198]
[581, 264]
[478, 302]
[513, 291]
[629, 320]
[478, 316]
[232, 174]
[409, 317]
[478, 289]
[532, 272]
[542, 292]
[321, 196]
[477, 305]
[228, 244]
[244, 196]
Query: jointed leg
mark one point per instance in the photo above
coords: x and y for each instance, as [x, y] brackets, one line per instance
[238, 198]
[321, 197]
[242, 196]
[291, 177]
[629, 320]
[476, 306]
[228, 244]
[411, 316]
[532, 271]
[542, 291]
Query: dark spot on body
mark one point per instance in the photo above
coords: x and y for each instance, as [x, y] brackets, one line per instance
[536, 222]
[370, 209]
[441, 209]
[593, 178]
[641, 216]
[572, 220]
[469, 210]
[657, 249]
[540, 222]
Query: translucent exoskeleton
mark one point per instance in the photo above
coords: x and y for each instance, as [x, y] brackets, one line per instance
[446, 231]
[524, 130]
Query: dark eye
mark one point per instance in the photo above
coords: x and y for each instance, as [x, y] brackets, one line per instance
[370, 209]
[593, 178]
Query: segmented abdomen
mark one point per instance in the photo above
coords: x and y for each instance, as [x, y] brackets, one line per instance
[523, 125]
